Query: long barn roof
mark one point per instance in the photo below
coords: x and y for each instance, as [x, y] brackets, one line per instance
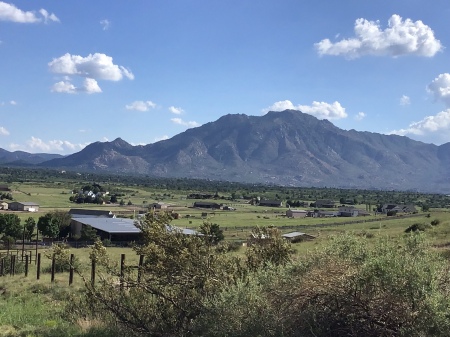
[125, 226]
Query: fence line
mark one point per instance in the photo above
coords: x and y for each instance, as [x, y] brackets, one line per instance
[8, 266]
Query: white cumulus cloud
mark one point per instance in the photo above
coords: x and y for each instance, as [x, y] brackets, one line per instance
[93, 67]
[165, 137]
[141, 105]
[321, 110]
[360, 116]
[105, 24]
[47, 16]
[36, 145]
[176, 111]
[429, 125]
[189, 124]
[401, 37]
[9, 12]
[440, 88]
[89, 86]
[98, 66]
[405, 100]
[3, 131]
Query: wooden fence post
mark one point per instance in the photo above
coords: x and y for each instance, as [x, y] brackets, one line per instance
[26, 265]
[71, 270]
[53, 268]
[12, 265]
[38, 269]
[141, 263]
[93, 273]
[122, 267]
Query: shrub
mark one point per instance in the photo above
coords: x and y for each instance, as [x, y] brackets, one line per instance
[417, 227]
[107, 243]
[435, 222]
[62, 259]
[350, 288]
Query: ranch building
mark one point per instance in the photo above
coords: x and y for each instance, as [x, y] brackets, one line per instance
[23, 206]
[296, 213]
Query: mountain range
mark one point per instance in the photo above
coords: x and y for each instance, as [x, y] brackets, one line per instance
[285, 148]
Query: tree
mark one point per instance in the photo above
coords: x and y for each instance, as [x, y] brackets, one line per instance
[55, 224]
[48, 226]
[267, 247]
[88, 233]
[10, 226]
[179, 273]
[29, 227]
[212, 232]
[425, 208]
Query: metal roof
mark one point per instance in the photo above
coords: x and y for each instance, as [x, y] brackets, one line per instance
[293, 234]
[120, 225]
[111, 225]
[26, 203]
[75, 212]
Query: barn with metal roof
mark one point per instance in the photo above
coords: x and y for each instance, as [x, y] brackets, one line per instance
[118, 229]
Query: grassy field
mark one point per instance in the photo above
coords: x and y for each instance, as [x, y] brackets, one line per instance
[30, 307]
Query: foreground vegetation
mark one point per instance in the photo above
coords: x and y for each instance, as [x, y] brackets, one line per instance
[351, 284]
[383, 277]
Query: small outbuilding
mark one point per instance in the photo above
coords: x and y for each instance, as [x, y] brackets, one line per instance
[297, 236]
[158, 205]
[204, 204]
[23, 206]
[4, 205]
[271, 203]
[296, 213]
[348, 211]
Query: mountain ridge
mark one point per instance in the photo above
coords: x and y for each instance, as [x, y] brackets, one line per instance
[286, 148]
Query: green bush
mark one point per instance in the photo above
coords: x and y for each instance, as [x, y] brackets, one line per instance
[435, 222]
[351, 288]
[417, 227]
[61, 254]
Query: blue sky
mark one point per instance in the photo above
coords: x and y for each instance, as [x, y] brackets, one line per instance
[76, 72]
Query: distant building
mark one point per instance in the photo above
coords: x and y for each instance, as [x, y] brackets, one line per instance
[113, 229]
[4, 205]
[204, 204]
[348, 211]
[271, 203]
[4, 188]
[118, 229]
[325, 214]
[90, 213]
[296, 213]
[398, 208]
[158, 205]
[325, 203]
[23, 206]
[297, 236]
